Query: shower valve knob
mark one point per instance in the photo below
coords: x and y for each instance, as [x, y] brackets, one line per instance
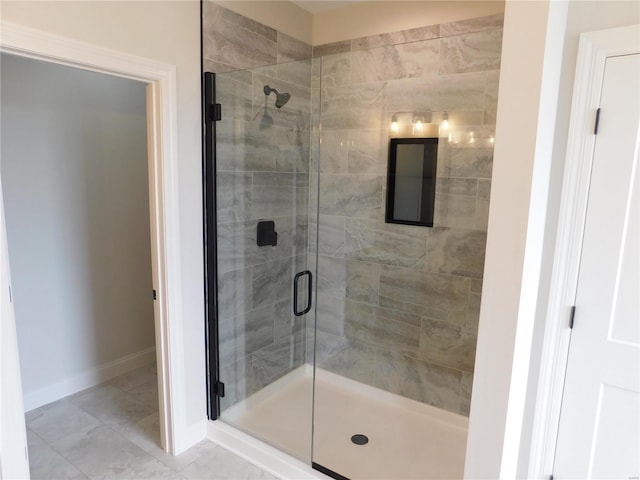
[267, 234]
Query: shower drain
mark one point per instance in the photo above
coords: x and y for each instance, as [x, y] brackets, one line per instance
[360, 439]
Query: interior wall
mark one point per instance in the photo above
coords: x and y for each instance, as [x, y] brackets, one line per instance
[168, 32]
[74, 173]
[379, 17]
[398, 305]
[528, 169]
[584, 16]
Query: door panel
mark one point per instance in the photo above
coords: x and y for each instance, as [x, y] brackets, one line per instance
[600, 420]
[260, 218]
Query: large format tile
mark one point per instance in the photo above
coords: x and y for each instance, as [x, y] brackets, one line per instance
[111, 405]
[363, 281]
[409, 60]
[368, 324]
[219, 464]
[292, 49]
[236, 40]
[331, 276]
[234, 292]
[331, 48]
[368, 151]
[351, 195]
[235, 97]
[334, 151]
[245, 334]
[456, 251]
[449, 345]
[275, 360]
[432, 384]
[356, 361]
[449, 93]
[470, 25]
[395, 38]
[47, 464]
[237, 246]
[331, 235]
[102, 453]
[142, 377]
[442, 297]
[454, 210]
[354, 106]
[465, 162]
[330, 313]
[471, 52]
[58, 420]
[233, 196]
[272, 281]
[336, 70]
[390, 244]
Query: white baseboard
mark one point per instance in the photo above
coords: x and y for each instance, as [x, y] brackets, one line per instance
[87, 379]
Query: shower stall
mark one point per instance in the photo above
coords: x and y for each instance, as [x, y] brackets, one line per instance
[338, 336]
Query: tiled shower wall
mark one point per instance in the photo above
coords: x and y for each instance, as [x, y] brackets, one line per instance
[262, 174]
[398, 305]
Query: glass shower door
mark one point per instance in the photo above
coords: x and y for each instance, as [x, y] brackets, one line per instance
[264, 271]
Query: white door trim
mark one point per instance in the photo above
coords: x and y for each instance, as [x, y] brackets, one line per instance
[594, 48]
[163, 192]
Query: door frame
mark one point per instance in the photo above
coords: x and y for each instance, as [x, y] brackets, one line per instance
[593, 50]
[160, 79]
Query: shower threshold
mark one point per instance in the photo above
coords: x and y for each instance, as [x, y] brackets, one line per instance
[405, 439]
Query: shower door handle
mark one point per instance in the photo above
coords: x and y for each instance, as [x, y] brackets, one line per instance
[298, 276]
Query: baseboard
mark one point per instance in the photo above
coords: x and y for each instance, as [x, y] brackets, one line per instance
[259, 453]
[87, 379]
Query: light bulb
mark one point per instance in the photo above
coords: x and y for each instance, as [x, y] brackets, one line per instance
[445, 121]
[394, 124]
[418, 127]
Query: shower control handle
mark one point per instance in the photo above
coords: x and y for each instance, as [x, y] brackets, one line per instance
[298, 276]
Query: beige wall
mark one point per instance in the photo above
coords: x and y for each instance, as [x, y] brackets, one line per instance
[361, 19]
[372, 18]
[536, 87]
[167, 32]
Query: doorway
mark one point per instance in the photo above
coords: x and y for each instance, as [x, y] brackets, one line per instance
[161, 93]
[76, 197]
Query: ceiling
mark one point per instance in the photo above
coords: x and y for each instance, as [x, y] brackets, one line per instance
[315, 6]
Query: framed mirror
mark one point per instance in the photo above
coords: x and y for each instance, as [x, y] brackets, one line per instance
[411, 181]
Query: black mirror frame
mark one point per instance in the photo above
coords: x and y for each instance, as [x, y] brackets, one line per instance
[429, 176]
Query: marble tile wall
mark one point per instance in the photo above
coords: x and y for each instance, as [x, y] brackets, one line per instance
[262, 155]
[397, 305]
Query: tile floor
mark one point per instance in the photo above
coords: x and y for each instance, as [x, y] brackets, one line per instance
[112, 432]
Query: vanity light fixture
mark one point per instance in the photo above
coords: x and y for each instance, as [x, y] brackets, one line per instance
[418, 125]
[445, 121]
[394, 124]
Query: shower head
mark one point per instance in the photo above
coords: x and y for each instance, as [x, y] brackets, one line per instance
[281, 98]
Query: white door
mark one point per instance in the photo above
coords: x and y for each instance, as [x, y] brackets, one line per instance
[599, 433]
[14, 461]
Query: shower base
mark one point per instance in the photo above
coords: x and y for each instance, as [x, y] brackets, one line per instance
[406, 439]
